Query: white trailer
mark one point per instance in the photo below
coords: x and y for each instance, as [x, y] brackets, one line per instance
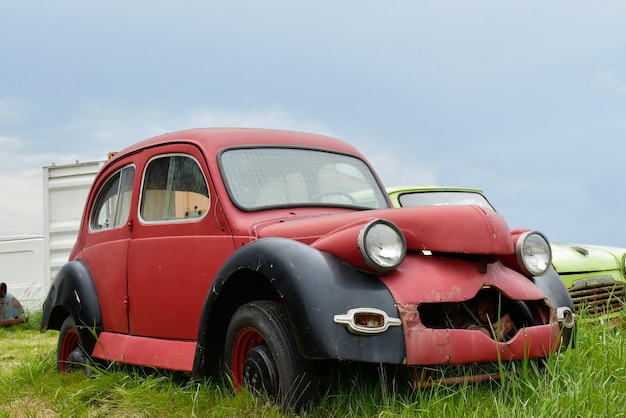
[65, 189]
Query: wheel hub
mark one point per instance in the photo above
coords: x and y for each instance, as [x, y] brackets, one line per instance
[77, 360]
[259, 371]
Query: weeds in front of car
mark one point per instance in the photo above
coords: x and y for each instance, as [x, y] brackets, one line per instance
[587, 381]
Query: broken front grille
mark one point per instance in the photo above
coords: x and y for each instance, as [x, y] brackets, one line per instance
[489, 312]
[598, 296]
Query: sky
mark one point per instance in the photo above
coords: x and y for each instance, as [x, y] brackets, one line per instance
[524, 100]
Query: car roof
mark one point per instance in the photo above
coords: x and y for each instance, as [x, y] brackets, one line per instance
[212, 140]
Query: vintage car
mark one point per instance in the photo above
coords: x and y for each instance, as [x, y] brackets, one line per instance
[594, 275]
[266, 253]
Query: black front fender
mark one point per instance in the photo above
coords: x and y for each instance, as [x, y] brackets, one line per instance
[553, 287]
[73, 292]
[314, 286]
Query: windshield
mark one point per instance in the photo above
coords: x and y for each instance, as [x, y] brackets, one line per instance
[258, 178]
[440, 198]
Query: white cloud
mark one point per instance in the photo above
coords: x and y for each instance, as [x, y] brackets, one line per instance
[275, 118]
[9, 142]
[10, 111]
[393, 171]
[608, 81]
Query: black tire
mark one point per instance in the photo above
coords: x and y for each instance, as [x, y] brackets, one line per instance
[71, 355]
[261, 354]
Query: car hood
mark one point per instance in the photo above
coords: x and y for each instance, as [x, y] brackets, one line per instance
[452, 229]
[573, 258]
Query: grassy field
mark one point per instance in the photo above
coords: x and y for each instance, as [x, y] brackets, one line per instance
[589, 381]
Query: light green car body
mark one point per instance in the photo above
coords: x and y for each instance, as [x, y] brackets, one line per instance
[594, 275]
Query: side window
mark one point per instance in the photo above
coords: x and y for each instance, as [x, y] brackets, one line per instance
[112, 205]
[174, 188]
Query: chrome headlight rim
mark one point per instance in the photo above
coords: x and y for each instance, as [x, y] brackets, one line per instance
[388, 251]
[528, 262]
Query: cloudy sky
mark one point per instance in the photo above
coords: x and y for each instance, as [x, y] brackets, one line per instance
[526, 100]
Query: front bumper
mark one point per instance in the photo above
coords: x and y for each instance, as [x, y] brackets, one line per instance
[428, 346]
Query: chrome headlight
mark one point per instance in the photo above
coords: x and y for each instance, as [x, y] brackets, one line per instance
[534, 254]
[382, 245]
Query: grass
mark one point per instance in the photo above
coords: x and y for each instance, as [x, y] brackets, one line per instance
[589, 381]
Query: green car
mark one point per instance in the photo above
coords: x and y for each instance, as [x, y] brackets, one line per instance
[595, 276]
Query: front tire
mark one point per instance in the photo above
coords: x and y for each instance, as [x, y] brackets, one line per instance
[261, 354]
[71, 355]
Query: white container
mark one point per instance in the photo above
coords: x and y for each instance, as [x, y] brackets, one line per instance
[22, 269]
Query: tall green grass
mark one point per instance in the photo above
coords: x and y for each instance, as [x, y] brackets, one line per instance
[589, 381]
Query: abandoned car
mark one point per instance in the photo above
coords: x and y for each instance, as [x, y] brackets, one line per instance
[263, 253]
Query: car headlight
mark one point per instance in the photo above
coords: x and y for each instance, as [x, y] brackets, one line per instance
[533, 253]
[382, 245]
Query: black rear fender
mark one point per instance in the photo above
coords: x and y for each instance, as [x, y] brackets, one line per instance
[73, 293]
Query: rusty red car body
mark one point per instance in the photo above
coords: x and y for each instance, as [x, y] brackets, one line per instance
[266, 281]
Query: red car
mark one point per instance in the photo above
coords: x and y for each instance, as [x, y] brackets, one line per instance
[267, 251]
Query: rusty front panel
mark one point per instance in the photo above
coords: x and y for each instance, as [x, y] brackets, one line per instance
[444, 282]
[426, 346]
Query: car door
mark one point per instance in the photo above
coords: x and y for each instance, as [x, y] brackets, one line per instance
[177, 245]
[107, 235]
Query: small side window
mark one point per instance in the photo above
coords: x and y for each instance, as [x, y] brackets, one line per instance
[112, 205]
[174, 188]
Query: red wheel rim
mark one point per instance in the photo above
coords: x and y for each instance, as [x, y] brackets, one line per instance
[70, 340]
[245, 341]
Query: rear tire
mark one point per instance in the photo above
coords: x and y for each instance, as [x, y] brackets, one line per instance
[261, 354]
[71, 355]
